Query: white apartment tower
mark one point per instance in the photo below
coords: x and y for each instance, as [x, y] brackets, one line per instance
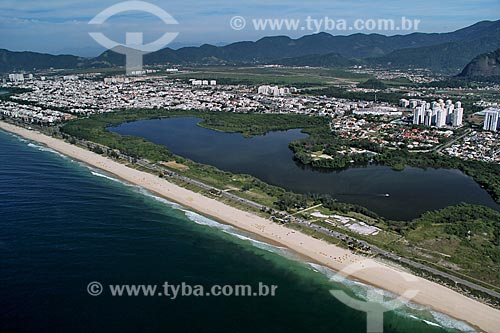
[428, 118]
[418, 115]
[457, 117]
[491, 120]
[441, 118]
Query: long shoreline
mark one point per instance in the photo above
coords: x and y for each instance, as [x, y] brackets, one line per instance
[433, 295]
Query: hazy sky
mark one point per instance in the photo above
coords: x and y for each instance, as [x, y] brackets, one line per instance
[61, 26]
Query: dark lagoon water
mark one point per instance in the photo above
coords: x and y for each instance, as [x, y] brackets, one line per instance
[65, 225]
[3, 92]
[412, 191]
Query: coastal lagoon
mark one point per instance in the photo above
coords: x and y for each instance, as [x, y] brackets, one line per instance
[411, 192]
[65, 225]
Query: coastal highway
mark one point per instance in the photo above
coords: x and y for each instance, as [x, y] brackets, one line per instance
[375, 250]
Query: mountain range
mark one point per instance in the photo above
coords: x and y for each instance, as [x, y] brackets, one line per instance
[438, 51]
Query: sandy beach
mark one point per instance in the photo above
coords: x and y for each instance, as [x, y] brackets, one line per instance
[373, 272]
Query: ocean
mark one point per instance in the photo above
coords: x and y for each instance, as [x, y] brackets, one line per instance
[65, 225]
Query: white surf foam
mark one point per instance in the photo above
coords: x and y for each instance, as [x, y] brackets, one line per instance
[263, 245]
[449, 322]
[107, 177]
[230, 230]
[202, 220]
[46, 149]
[155, 197]
[431, 323]
[360, 289]
[15, 136]
[138, 189]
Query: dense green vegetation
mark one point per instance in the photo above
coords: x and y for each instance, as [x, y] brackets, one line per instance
[338, 92]
[94, 127]
[467, 235]
[258, 124]
[453, 82]
[466, 221]
[12, 61]
[321, 139]
[291, 201]
[372, 84]
[334, 161]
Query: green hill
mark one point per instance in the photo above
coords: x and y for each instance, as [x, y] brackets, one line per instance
[483, 66]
